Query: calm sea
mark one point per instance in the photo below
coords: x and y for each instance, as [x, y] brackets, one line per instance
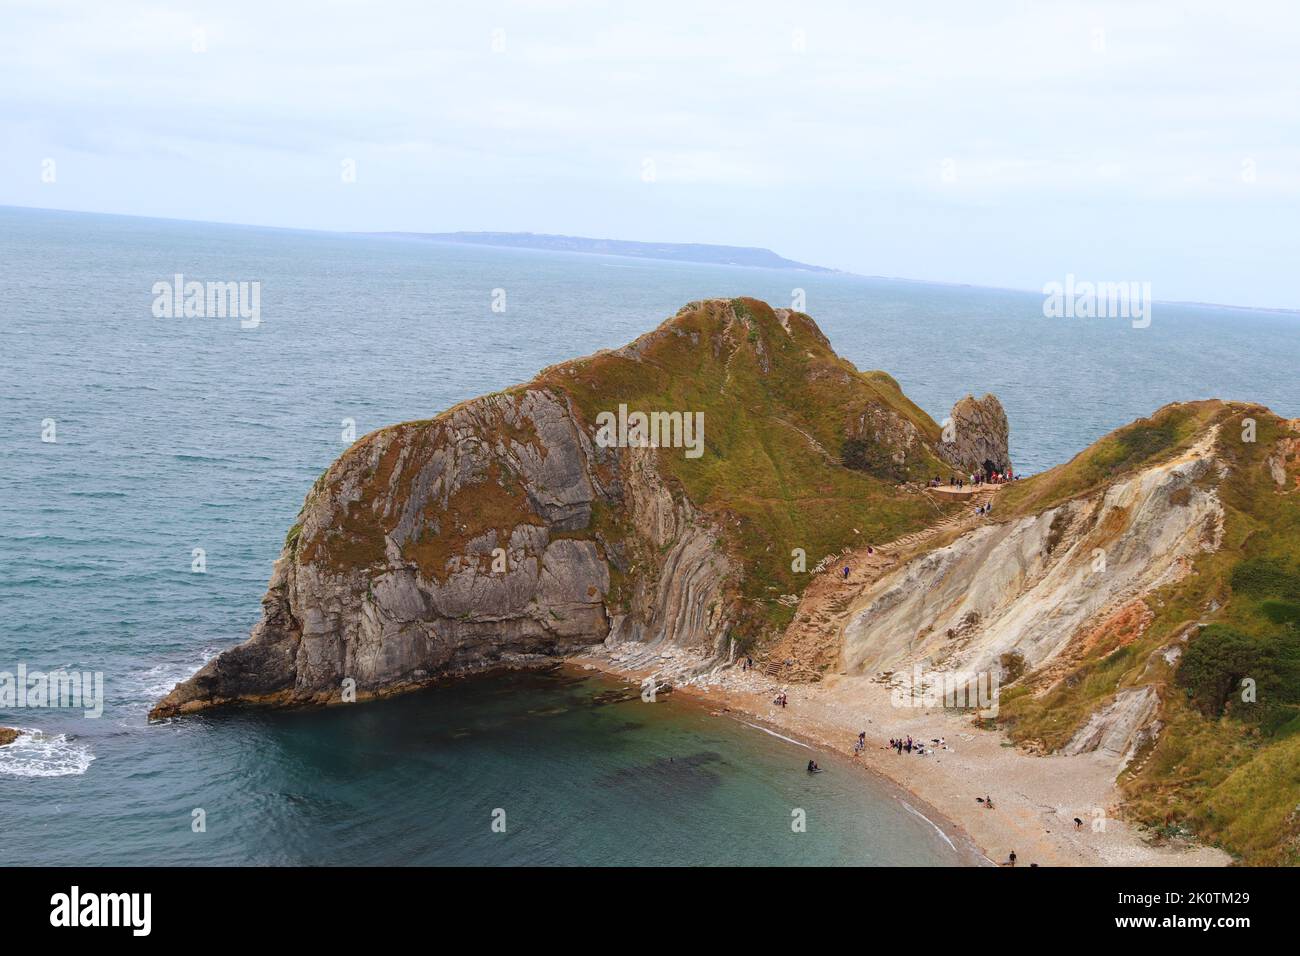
[182, 434]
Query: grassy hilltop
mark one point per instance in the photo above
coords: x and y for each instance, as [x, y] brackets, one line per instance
[1222, 767]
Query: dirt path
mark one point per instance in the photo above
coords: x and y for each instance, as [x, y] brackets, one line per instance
[813, 642]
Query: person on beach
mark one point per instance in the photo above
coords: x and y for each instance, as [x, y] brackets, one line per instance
[846, 572]
[1012, 858]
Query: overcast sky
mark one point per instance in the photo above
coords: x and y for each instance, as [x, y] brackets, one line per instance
[993, 143]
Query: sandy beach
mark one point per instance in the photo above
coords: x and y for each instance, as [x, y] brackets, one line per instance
[1035, 798]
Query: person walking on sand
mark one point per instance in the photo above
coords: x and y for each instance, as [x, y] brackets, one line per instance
[1012, 858]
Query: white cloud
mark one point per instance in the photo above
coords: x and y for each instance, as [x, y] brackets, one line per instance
[754, 141]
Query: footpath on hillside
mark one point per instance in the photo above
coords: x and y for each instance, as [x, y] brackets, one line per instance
[812, 643]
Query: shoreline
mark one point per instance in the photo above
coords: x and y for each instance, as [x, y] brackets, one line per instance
[953, 835]
[1036, 798]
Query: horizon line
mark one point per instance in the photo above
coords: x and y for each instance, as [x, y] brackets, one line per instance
[397, 233]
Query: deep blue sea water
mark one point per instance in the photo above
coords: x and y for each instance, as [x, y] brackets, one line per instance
[176, 434]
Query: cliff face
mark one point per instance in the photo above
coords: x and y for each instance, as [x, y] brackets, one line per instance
[1140, 603]
[481, 538]
[511, 528]
[1028, 586]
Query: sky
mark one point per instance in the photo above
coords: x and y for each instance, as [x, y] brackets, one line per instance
[992, 143]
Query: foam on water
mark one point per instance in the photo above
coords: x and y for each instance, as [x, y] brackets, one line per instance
[148, 685]
[37, 754]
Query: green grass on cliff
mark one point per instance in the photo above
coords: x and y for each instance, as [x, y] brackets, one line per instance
[1141, 444]
[776, 407]
[1222, 768]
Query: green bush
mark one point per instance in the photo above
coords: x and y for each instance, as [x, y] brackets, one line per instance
[1281, 612]
[1219, 658]
[1213, 666]
[1266, 578]
[869, 455]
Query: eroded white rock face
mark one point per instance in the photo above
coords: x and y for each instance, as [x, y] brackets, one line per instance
[1119, 728]
[1030, 585]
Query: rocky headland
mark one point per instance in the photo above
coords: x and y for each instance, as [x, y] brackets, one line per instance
[1119, 600]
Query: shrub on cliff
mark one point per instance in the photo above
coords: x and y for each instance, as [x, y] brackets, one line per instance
[1220, 659]
[1214, 665]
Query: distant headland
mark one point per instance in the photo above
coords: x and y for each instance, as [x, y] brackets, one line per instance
[672, 251]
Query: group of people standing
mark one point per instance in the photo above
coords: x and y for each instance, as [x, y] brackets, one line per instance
[975, 479]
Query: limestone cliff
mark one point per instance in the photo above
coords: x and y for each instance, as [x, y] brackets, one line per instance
[1140, 603]
[1029, 585]
[511, 528]
[977, 436]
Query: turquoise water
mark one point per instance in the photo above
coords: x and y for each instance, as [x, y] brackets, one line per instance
[176, 434]
[419, 779]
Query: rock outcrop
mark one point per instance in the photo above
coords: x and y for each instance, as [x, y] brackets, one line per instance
[508, 530]
[1119, 728]
[452, 546]
[8, 735]
[979, 435]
